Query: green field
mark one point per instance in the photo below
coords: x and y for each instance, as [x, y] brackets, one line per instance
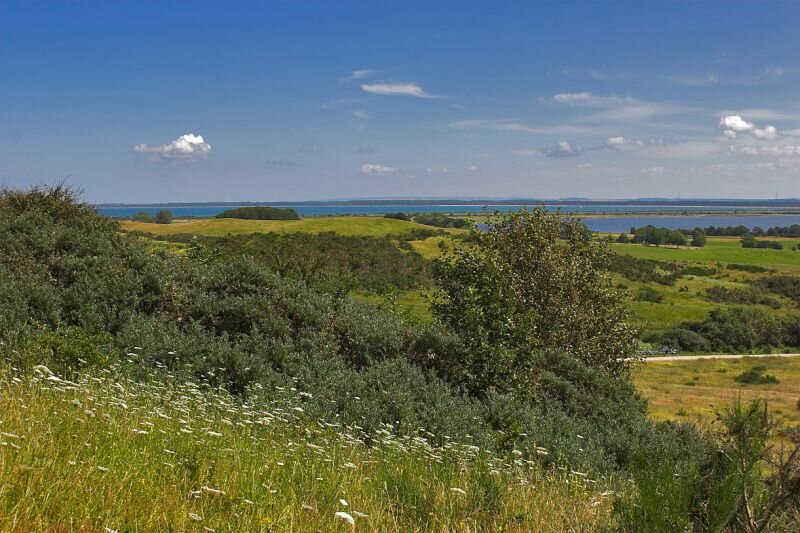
[721, 250]
[219, 227]
[689, 390]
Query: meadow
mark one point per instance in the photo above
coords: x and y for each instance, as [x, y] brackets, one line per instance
[691, 390]
[104, 452]
[213, 227]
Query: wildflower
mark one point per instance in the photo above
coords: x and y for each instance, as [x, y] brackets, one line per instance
[346, 517]
[213, 492]
[343, 502]
[360, 515]
[457, 490]
[195, 517]
[102, 468]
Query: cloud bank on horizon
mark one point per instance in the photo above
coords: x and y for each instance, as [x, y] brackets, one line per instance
[504, 101]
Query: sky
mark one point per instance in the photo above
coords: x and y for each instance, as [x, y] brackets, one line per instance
[274, 101]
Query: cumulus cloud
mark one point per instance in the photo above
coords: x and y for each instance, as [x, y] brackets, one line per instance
[396, 89]
[768, 133]
[374, 168]
[735, 123]
[563, 149]
[186, 147]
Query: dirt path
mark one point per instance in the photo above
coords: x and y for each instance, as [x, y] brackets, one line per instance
[715, 356]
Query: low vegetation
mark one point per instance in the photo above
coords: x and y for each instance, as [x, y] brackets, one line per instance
[144, 389]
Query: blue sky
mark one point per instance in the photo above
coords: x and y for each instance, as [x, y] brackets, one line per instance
[199, 101]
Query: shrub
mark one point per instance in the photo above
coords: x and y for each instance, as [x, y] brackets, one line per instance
[747, 296]
[163, 217]
[756, 376]
[397, 216]
[649, 294]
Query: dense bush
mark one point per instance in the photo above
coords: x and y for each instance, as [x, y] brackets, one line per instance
[741, 296]
[649, 294]
[260, 213]
[646, 270]
[440, 220]
[397, 216]
[658, 236]
[327, 260]
[75, 292]
[788, 286]
[751, 242]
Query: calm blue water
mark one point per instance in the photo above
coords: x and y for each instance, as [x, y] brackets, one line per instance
[606, 224]
[323, 210]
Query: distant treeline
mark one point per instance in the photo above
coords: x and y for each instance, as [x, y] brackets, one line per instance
[261, 213]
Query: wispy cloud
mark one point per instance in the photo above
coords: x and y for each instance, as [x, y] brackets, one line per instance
[281, 163]
[359, 74]
[695, 81]
[617, 108]
[513, 125]
[396, 89]
[375, 168]
[308, 148]
[187, 147]
[360, 114]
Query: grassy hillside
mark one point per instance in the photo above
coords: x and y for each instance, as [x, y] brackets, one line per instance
[369, 226]
[108, 453]
[721, 249]
[688, 389]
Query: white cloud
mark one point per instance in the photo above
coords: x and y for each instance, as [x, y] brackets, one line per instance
[730, 134]
[735, 123]
[374, 168]
[359, 114]
[768, 133]
[585, 165]
[617, 108]
[186, 147]
[396, 89]
[695, 81]
[472, 168]
[785, 150]
[359, 74]
[563, 149]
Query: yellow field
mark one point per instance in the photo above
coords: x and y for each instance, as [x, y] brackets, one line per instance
[219, 227]
[689, 390]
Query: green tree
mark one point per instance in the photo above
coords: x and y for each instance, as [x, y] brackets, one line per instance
[142, 216]
[698, 238]
[164, 217]
[532, 282]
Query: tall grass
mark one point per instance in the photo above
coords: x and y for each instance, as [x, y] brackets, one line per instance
[102, 451]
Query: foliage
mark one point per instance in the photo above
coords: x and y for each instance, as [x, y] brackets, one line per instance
[788, 286]
[699, 238]
[260, 213]
[751, 242]
[649, 294]
[741, 296]
[645, 270]
[143, 216]
[440, 220]
[397, 216]
[517, 290]
[163, 217]
[756, 376]
[658, 236]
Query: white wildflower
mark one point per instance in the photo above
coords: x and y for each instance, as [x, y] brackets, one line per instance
[457, 490]
[343, 502]
[346, 517]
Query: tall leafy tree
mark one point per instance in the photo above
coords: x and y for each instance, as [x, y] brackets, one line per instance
[531, 282]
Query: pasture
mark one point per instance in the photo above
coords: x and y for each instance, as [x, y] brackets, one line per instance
[721, 250]
[689, 390]
[219, 227]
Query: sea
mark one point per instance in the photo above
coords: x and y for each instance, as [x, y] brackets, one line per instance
[596, 216]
